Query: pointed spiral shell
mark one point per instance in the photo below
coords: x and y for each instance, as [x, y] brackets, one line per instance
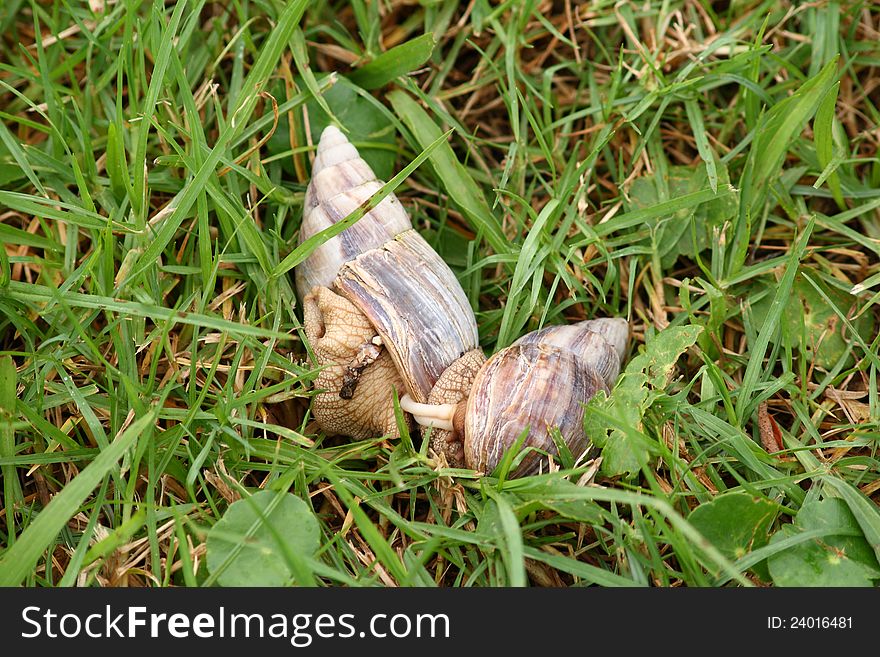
[384, 267]
[341, 181]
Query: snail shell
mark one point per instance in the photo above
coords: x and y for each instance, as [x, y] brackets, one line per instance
[420, 314]
[591, 340]
[540, 382]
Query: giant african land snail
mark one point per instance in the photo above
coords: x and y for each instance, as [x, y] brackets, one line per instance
[383, 312]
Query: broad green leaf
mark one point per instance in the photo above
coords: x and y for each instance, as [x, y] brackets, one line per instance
[864, 510]
[662, 353]
[256, 539]
[362, 120]
[810, 324]
[840, 558]
[365, 125]
[691, 229]
[580, 510]
[624, 453]
[736, 523]
[398, 61]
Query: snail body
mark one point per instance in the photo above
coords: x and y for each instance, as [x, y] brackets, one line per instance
[382, 311]
[534, 387]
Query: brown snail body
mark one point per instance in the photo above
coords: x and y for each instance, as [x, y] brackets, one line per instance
[382, 311]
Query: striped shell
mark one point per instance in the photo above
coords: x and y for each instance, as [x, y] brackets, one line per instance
[341, 181]
[384, 267]
[591, 339]
[541, 382]
[417, 306]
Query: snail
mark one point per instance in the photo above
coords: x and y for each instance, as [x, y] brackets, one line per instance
[539, 383]
[381, 310]
[384, 313]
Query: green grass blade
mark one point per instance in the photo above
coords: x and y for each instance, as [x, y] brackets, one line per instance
[457, 182]
[511, 543]
[179, 207]
[695, 117]
[17, 561]
[398, 61]
[823, 135]
[781, 124]
[41, 294]
[756, 365]
[11, 489]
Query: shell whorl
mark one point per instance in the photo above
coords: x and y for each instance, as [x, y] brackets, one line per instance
[599, 342]
[541, 382]
[417, 306]
[341, 181]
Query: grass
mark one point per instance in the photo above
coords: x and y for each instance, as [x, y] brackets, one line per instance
[707, 169]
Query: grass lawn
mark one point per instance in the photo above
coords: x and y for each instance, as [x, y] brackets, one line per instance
[708, 170]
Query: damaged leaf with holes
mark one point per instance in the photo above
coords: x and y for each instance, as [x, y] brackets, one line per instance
[811, 321]
[614, 423]
[690, 230]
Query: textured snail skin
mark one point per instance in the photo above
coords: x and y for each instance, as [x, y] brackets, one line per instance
[382, 311]
[453, 388]
[336, 329]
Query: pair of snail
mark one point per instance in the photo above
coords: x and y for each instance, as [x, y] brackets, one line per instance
[383, 312]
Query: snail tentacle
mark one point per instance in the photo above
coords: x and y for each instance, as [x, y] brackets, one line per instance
[438, 416]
